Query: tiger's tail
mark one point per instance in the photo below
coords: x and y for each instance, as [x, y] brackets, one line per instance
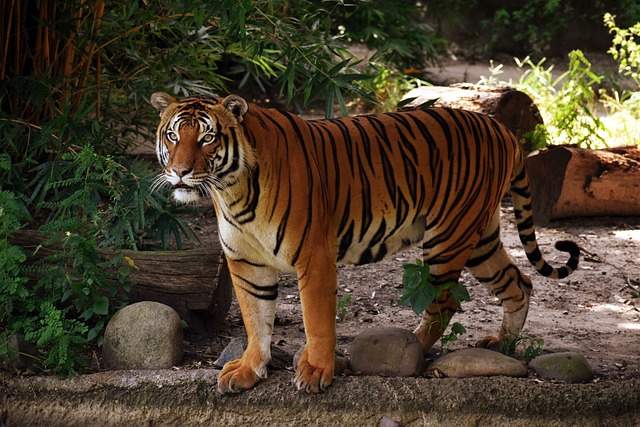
[521, 196]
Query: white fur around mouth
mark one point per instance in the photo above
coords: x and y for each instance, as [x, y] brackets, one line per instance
[186, 195]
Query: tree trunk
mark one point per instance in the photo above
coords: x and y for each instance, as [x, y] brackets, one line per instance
[195, 282]
[572, 182]
[512, 108]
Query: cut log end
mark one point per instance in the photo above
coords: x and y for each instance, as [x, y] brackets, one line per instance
[571, 182]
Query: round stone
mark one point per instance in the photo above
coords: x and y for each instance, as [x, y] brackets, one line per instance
[387, 351]
[567, 367]
[478, 362]
[145, 335]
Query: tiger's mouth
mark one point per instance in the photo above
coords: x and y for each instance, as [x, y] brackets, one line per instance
[184, 193]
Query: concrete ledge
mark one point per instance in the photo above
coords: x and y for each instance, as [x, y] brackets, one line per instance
[190, 398]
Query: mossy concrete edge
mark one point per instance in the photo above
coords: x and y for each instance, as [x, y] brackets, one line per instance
[189, 397]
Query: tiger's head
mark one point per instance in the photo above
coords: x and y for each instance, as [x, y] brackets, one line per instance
[200, 144]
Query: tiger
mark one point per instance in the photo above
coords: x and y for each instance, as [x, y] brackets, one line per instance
[305, 196]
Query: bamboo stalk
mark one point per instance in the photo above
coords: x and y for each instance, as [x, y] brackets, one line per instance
[6, 40]
[98, 25]
[46, 47]
[17, 40]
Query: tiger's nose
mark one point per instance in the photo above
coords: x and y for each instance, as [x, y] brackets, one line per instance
[181, 171]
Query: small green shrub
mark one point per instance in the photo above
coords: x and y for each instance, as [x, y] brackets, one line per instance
[457, 329]
[343, 301]
[61, 300]
[577, 106]
[419, 292]
[567, 101]
[531, 347]
[532, 25]
[418, 289]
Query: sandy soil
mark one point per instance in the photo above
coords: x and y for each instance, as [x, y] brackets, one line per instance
[595, 311]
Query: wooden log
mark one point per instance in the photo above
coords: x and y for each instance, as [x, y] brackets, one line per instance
[195, 282]
[515, 109]
[572, 182]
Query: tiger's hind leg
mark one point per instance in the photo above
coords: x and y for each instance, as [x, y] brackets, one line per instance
[444, 269]
[437, 316]
[493, 267]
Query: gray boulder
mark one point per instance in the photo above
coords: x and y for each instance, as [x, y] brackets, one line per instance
[145, 335]
[567, 367]
[478, 362]
[387, 351]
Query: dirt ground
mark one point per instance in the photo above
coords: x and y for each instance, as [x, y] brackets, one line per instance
[595, 311]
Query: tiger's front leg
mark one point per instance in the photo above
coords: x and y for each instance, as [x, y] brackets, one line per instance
[318, 295]
[256, 291]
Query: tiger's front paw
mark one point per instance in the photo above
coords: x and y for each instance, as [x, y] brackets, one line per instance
[313, 379]
[489, 342]
[236, 377]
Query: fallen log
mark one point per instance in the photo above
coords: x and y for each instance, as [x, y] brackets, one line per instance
[515, 109]
[571, 182]
[194, 282]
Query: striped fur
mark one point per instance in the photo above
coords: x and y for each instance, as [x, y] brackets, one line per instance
[303, 196]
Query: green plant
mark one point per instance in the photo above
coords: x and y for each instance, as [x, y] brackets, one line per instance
[342, 307]
[457, 329]
[625, 48]
[61, 296]
[396, 29]
[389, 86]
[531, 347]
[419, 291]
[533, 25]
[567, 101]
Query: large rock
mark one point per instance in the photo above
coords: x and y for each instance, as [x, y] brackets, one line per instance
[387, 351]
[478, 362]
[567, 367]
[145, 335]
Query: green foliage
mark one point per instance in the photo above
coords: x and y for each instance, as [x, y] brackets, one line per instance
[119, 199]
[576, 106]
[625, 47]
[389, 86]
[533, 25]
[567, 101]
[530, 347]
[419, 291]
[457, 329]
[342, 307]
[62, 299]
[13, 276]
[395, 29]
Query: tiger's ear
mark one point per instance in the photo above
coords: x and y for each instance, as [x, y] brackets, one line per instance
[161, 101]
[236, 105]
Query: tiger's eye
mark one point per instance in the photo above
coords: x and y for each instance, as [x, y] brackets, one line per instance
[208, 138]
[172, 136]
